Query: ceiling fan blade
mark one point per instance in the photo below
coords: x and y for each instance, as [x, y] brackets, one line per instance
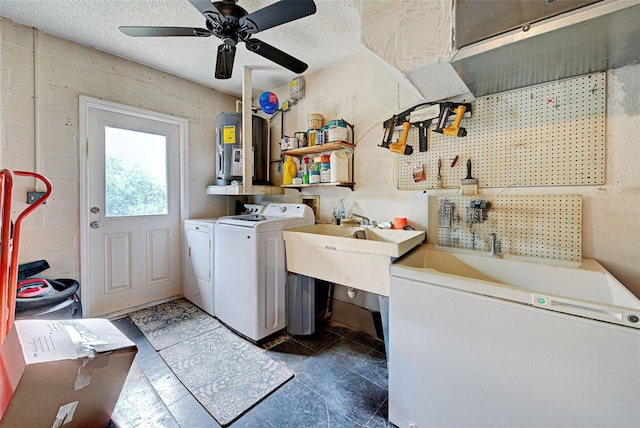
[212, 11]
[276, 55]
[224, 62]
[204, 6]
[165, 31]
[276, 14]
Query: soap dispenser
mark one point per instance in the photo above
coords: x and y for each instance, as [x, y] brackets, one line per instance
[340, 211]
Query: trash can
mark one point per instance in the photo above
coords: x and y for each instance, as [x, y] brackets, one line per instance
[301, 306]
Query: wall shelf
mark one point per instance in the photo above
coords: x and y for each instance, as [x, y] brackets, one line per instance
[299, 186]
[322, 148]
[239, 189]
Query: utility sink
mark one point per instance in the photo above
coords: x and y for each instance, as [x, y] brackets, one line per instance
[332, 253]
[587, 282]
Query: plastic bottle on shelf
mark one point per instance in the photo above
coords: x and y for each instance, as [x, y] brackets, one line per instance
[325, 168]
[305, 170]
[314, 173]
[290, 171]
[339, 167]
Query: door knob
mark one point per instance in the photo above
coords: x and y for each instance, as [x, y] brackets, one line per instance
[94, 224]
[95, 210]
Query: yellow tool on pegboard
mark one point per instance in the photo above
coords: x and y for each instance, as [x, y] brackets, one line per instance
[421, 116]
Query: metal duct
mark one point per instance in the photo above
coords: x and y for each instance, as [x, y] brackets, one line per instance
[591, 39]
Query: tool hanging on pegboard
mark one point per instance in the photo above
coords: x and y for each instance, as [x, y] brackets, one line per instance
[421, 116]
[446, 110]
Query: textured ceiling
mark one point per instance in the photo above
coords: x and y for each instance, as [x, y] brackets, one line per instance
[328, 36]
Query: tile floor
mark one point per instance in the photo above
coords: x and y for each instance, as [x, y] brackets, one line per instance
[340, 381]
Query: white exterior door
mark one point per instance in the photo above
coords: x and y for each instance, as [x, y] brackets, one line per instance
[131, 212]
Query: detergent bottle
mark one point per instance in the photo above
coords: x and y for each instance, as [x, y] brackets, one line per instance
[290, 171]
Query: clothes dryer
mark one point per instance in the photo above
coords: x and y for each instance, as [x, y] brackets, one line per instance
[197, 285]
[198, 279]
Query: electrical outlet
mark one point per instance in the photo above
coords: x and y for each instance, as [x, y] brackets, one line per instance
[32, 197]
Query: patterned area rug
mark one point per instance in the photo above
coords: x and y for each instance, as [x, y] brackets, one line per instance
[172, 322]
[226, 373]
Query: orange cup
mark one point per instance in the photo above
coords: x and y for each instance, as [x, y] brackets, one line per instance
[399, 222]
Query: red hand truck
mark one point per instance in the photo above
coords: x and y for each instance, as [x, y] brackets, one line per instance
[10, 245]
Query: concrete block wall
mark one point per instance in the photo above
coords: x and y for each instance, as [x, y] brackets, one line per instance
[42, 77]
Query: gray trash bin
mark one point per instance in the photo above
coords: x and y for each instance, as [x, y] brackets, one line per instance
[301, 308]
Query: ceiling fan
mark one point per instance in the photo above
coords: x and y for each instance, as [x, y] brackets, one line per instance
[232, 24]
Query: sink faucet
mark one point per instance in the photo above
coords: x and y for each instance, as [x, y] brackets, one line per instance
[363, 219]
[494, 245]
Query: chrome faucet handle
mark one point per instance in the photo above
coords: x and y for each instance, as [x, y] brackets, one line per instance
[494, 245]
[363, 220]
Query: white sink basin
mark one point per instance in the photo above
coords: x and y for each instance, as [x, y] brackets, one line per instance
[331, 253]
[583, 290]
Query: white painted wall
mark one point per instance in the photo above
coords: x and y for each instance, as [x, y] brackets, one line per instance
[415, 37]
[363, 93]
[359, 90]
[42, 77]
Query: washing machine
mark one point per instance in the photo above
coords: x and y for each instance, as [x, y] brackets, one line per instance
[198, 281]
[251, 273]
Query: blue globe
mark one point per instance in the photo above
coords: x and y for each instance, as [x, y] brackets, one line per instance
[269, 102]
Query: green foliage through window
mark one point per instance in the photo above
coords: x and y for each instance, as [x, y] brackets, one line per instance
[130, 191]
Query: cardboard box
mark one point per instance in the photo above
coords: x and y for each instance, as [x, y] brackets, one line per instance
[62, 373]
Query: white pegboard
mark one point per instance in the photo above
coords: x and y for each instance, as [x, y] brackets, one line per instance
[548, 135]
[541, 226]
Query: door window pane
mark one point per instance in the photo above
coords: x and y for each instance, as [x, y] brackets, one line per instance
[135, 173]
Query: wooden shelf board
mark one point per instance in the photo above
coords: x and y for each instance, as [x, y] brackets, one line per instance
[299, 186]
[239, 190]
[327, 147]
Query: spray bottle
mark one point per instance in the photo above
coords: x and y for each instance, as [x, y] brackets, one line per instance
[305, 170]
